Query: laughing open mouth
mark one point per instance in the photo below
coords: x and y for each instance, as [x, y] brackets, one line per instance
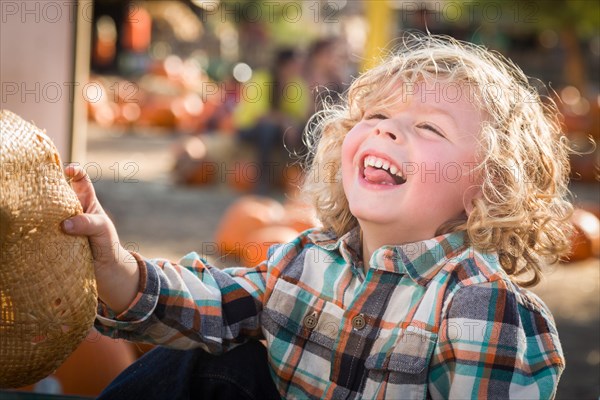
[379, 171]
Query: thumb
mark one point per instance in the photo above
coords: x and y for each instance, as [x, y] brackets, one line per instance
[92, 225]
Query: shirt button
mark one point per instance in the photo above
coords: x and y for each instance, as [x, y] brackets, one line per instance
[310, 321]
[358, 322]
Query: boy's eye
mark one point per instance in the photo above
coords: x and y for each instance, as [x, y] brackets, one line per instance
[431, 128]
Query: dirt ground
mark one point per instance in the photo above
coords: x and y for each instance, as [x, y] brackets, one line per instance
[160, 219]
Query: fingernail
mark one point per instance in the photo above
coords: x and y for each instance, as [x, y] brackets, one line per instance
[67, 225]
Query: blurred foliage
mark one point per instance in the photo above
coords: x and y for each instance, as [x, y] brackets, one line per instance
[572, 20]
[284, 22]
[581, 15]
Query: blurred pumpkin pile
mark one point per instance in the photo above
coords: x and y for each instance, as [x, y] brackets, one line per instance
[220, 159]
[581, 123]
[580, 115]
[175, 94]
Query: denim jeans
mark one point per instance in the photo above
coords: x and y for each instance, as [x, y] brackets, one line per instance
[241, 373]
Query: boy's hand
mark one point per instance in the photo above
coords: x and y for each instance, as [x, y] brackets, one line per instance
[116, 270]
[94, 223]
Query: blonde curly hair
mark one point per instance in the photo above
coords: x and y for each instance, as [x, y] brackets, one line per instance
[523, 211]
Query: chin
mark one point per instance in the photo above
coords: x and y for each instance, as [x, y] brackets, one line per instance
[372, 216]
[367, 214]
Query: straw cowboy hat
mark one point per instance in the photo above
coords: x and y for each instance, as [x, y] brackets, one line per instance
[47, 289]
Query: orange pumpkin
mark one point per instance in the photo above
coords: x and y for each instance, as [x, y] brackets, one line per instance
[93, 365]
[299, 215]
[157, 112]
[244, 218]
[586, 238]
[255, 249]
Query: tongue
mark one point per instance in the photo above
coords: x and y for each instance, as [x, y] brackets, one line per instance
[379, 176]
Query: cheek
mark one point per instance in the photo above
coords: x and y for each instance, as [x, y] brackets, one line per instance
[451, 165]
[439, 173]
[349, 149]
[346, 166]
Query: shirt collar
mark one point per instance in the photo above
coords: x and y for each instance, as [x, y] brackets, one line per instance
[420, 260]
[348, 245]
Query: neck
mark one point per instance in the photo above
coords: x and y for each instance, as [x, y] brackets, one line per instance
[372, 239]
[375, 236]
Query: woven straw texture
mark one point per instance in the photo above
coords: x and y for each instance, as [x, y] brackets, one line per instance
[47, 289]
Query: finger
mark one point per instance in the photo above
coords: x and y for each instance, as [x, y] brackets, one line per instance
[81, 184]
[87, 225]
[75, 172]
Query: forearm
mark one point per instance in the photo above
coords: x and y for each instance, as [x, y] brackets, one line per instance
[188, 305]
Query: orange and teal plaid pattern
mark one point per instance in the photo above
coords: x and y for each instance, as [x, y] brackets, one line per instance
[434, 319]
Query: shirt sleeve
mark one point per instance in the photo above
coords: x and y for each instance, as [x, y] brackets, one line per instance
[491, 345]
[190, 304]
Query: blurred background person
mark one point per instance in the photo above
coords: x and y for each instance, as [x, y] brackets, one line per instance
[273, 121]
[325, 72]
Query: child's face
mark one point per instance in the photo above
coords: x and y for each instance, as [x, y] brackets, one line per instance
[428, 144]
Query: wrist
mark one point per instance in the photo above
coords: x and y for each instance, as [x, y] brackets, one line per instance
[119, 284]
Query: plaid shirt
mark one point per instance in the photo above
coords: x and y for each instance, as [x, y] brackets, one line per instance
[432, 319]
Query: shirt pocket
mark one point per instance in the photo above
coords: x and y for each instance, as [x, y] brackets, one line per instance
[301, 330]
[400, 369]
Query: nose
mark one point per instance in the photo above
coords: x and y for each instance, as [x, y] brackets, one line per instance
[384, 128]
[386, 133]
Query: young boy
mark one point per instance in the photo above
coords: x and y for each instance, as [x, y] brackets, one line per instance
[440, 183]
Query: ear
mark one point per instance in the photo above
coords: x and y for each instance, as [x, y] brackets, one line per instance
[471, 195]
